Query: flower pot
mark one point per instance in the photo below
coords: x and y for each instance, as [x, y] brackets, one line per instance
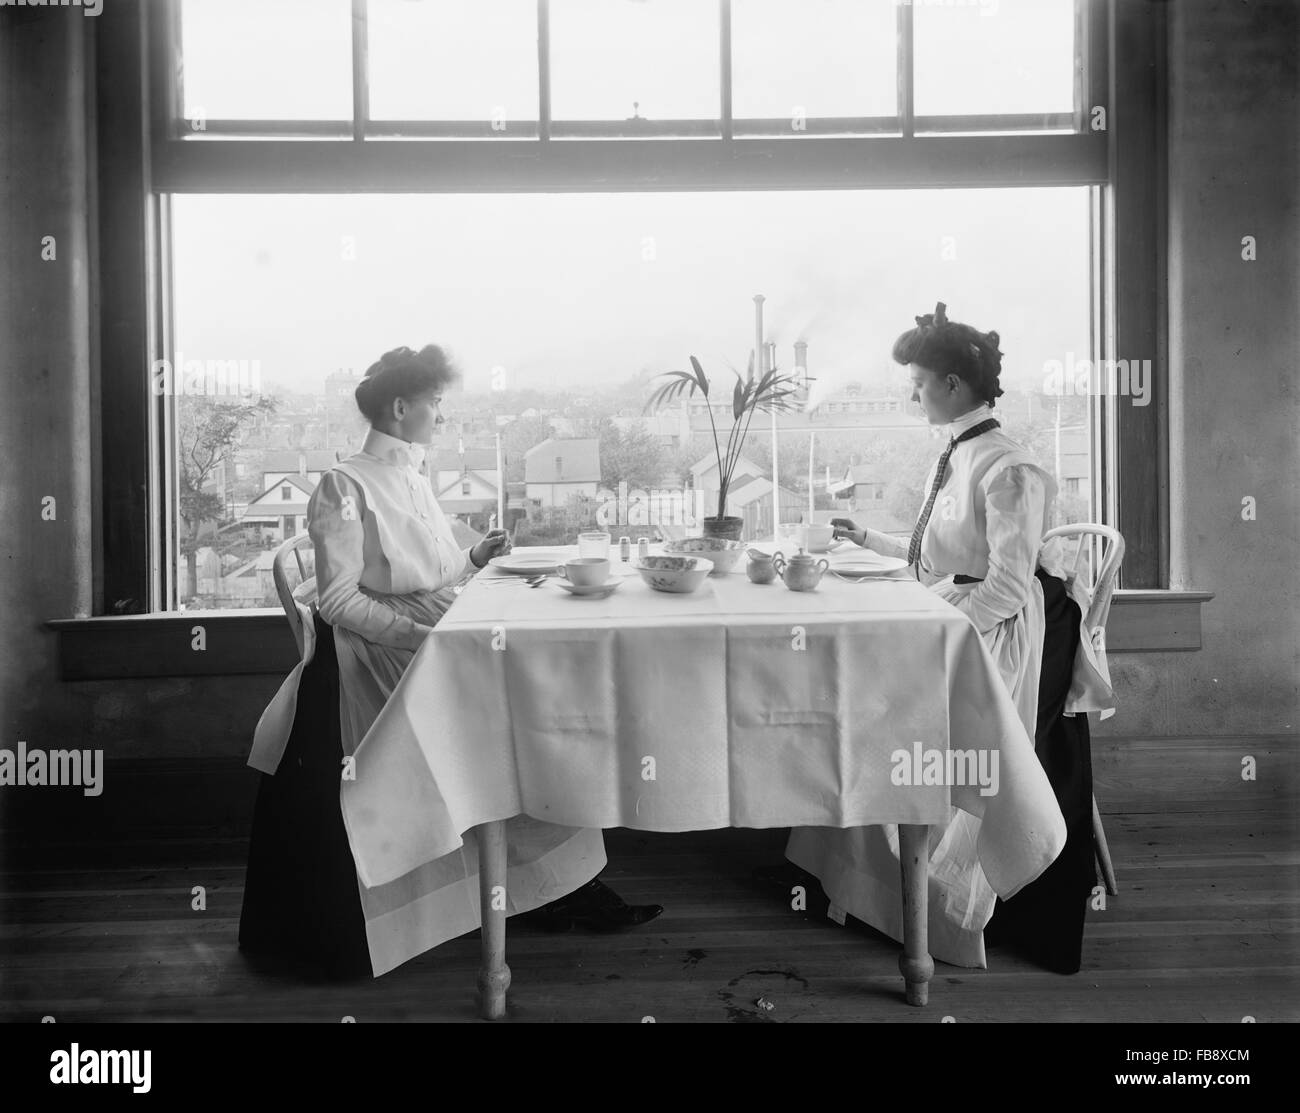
[730, 527]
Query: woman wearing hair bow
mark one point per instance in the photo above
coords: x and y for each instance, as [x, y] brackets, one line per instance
[386, 564]
[976, 543]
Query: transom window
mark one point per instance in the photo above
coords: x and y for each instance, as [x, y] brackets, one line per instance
[510, 69]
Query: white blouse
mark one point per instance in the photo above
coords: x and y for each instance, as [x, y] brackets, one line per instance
[988, 522]
[378, 530]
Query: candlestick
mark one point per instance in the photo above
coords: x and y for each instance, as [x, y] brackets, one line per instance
[812, 437]
[501, 488]
[761, 369]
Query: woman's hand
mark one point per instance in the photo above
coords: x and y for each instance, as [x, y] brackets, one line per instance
[847, 527]
[495, 543]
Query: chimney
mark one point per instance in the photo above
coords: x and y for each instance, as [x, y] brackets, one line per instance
[801, 358]
[302, 463]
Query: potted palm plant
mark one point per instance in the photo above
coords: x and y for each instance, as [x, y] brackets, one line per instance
[770, 393]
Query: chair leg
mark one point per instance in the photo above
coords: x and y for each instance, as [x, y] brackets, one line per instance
[1103, 851]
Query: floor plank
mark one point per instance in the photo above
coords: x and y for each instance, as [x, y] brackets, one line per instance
[1206, 927]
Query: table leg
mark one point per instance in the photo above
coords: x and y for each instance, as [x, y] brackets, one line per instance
[494, 974]
[915, 963]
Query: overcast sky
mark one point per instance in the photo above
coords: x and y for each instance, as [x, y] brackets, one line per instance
[586, 289]
[576, 290]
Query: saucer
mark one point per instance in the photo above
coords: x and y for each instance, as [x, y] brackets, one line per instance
[595, 591]
[861, 568]
[538, 562]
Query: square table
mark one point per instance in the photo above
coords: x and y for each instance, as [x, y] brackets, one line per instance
[740, 705]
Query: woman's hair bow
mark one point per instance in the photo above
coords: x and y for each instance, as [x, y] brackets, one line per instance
[934, 320]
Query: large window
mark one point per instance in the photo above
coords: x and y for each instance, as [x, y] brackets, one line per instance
[574, 195]
[560, 309]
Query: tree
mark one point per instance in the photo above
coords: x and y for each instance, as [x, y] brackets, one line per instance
[792, 456]
[680, 460]
[206, 432]
[517, 438]
[633, 457]
[909, 462]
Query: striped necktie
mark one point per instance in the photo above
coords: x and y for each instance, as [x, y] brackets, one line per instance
[914, 549]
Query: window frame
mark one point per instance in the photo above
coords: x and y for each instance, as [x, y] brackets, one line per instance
[361, 127]
[142, 161]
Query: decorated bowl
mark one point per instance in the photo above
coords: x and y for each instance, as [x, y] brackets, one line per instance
[722, 553]
[680, 574]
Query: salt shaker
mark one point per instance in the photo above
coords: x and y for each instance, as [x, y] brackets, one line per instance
[643, 547]
[624, 549]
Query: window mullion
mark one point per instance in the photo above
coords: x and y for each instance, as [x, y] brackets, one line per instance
[360, 69]
[165, 55]
[906, 109]
[1096, 75]
[543, 69]
[164, 514]
[724, 66]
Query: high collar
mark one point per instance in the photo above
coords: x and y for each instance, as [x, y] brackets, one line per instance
[393, 450]
[956, 428]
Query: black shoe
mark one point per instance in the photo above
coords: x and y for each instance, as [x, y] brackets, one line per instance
[596, 907]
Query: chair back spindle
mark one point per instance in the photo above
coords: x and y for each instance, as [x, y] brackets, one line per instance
[298, 602]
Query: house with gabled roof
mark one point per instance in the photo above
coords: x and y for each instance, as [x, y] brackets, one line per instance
[308, 463]
[560, 468]
[470, 492]
[282, 509]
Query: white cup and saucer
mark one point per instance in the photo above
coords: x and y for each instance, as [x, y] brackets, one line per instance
[586, 577]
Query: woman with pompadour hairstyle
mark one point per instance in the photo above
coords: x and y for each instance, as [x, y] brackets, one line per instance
[387, 562]
[977, 543]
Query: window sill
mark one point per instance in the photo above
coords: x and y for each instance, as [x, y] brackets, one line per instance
[119, 647]
[1155, 621]
[258, 641]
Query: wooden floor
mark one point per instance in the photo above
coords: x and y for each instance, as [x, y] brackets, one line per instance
[1205, 927]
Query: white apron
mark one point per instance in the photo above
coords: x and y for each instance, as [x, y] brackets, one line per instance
[859, 867]
[439, 900]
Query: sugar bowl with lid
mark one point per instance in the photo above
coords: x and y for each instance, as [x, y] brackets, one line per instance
[801, 572]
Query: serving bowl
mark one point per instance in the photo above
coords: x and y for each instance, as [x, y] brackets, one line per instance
[679, 574]
[721, 552]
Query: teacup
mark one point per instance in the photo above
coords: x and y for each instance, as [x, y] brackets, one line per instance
[584, 571]
[817, 539]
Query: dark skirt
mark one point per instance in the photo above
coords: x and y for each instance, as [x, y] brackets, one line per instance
[1044, 921]
[301, 901]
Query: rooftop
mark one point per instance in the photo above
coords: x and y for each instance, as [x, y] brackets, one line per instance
[561, 460]
[289, 460]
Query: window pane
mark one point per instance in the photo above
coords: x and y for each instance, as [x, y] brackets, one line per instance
[1000, 57]
[267, 59]
[601, 292]
[821, 57]
[453, 60]
[616, 59]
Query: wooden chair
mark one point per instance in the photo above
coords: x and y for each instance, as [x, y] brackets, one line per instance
[1100, 573]
[299, 602]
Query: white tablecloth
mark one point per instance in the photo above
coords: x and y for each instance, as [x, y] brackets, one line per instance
[741, 705]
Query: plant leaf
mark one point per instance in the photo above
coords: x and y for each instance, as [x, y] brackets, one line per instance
[700, 377]
[738, 399]
[678, 382]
